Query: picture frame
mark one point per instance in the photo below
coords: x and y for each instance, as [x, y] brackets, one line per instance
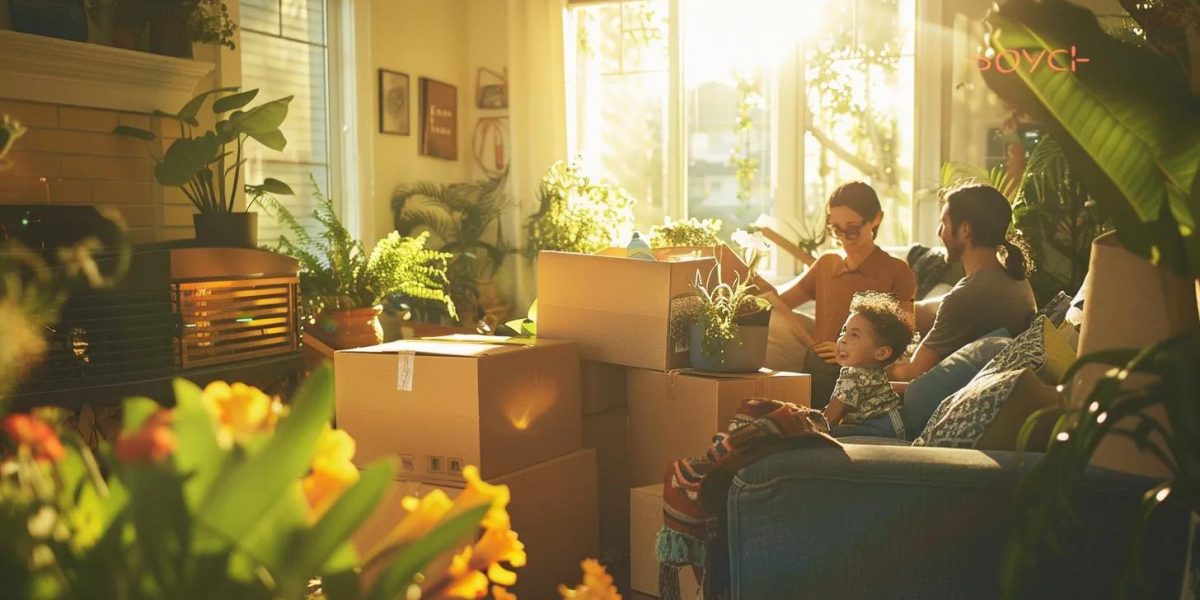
[439, 119]
[394, 102]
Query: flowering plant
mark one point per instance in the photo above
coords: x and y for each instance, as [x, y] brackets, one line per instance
[688, 232]
[577, 213]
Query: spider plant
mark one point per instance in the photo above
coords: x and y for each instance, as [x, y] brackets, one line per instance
[721, 307]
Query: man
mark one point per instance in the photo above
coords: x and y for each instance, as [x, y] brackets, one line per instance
[991, 295]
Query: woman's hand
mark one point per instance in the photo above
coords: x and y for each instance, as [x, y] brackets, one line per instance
[827, 351]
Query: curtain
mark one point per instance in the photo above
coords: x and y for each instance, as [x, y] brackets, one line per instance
[538, 126]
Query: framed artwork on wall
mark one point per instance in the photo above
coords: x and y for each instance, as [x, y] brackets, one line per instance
[439, 119]
[393, 102]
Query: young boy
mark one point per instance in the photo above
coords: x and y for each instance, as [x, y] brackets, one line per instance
[875, 335]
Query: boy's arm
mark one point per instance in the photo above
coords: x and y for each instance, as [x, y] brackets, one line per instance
[835, 411]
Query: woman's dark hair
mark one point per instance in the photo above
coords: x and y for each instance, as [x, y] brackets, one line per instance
[858, 197]
[986, 210]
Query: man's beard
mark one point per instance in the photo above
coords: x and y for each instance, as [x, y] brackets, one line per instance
[954, 251]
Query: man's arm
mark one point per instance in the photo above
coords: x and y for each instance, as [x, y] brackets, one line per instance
[922, 360]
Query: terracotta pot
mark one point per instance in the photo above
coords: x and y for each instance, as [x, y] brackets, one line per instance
[353, 328]
[1128, 303]
[226, 230]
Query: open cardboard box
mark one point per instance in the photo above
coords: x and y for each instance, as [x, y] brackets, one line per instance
[619, 309]
[675, 415]
[441, 403]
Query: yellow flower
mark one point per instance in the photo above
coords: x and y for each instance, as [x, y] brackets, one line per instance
[499, 593]
[597, 584]
[241, 410]
[422, 515]
[478, 493]
[332, 472]
[465, 582]
[465, 579]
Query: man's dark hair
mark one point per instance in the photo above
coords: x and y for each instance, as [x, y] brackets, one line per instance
[858, 197]
[892, 327]
[987, 211]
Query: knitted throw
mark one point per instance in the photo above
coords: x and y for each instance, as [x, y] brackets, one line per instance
[695, 489]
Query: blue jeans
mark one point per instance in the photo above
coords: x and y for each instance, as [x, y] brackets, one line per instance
[879, 426]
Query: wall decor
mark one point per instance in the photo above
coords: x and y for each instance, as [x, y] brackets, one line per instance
[439, 119]
[491, 88]
[393, 102]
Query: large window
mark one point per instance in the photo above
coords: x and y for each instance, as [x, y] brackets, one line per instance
[736, 108]
[285, 53]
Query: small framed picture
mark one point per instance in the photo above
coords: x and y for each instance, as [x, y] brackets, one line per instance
[393, 102]
[439, 119]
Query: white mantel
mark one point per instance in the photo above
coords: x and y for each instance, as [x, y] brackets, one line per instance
[45, 69]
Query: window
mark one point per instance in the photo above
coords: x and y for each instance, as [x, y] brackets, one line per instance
[284, 51]
[774, 103]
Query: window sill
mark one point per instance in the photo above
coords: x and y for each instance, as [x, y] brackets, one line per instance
[45, 69]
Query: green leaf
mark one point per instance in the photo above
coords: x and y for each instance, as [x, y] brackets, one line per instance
[166, 115]
[399, 574]
[343, 585]
[271, 185]
[263, 118]
[250, 489]
[198, 454]
[234, 101]
[185, 158]
[1126, 120]
[135, 132]
[192, 108]
[269, 542]
[161, 519]
[272, 139]
[135, 411]
[316, 546]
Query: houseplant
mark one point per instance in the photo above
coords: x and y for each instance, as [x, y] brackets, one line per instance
[343, 286]
[464, 220]
[727, 323]
[1131, 132]
[208, 169]
[688, 232]
[173, 24]
[577, 213]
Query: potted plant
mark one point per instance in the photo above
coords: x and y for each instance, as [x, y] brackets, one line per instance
[208, 166]
[577, 213]
[173, 24]
[689, 232]
[343, 287]
[727, 323]
[464, 220]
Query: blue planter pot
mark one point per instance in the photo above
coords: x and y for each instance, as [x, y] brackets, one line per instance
[745, 354]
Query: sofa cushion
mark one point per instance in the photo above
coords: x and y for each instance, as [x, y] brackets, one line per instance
[926, 392]
[1028, 396]
[1060, 353]
[961, 419]
[1027, 350]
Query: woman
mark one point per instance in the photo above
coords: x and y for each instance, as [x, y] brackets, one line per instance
[853, 217]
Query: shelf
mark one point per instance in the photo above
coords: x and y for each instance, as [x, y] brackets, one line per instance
[46, 69]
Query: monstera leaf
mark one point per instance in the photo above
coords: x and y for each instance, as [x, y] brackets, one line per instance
[1126, 120]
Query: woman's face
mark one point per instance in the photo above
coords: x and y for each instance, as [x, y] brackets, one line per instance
[850, 229]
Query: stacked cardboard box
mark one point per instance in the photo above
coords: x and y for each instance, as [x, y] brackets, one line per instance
[511, 407]
[646, 518]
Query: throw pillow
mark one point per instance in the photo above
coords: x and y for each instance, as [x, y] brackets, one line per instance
[1027, 351]
[926, 392]
[1059, 353]
[961, 420]
[1028, 396]
[1056, 308]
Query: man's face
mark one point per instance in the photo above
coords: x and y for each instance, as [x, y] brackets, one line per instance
[954, 244]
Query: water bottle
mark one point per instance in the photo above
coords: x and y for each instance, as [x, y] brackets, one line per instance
[638, 248]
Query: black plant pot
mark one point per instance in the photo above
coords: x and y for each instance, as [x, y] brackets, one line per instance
[64, 19]
[226, 230]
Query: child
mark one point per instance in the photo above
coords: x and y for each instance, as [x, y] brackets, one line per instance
[876, 334]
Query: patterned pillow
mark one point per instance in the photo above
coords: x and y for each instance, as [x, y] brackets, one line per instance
[961, 419]
[1027, 351]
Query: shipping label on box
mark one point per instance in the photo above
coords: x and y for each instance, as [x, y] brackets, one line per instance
[437, 405]
[552, 507]
[675, 415]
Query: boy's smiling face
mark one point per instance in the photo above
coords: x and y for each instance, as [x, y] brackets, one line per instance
[856, 346]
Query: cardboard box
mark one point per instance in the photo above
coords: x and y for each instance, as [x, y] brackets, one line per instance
[553, 510]
[645, 519]
[608, 433]
[676, 414]
[619, 309]
[602, 386]
[439, 404]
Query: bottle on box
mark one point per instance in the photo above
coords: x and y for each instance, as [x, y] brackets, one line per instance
[638, 248]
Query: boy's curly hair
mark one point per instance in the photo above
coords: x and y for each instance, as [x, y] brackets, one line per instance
[893, 328]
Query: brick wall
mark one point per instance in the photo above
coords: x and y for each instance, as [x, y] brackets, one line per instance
[70, 156]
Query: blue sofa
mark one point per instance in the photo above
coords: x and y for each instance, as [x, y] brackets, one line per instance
[876, 520]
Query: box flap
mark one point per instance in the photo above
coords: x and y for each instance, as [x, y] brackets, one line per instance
[438, 347]
[483, 339]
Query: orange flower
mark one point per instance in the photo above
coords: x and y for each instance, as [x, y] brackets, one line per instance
[40, 438]
[499, 593]
[464, 579]
[241, 410]
[154, 441]
[597, 584]
[332, 472]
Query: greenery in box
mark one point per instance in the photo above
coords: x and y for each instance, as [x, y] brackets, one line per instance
[336, 273]
[688, 232]
[1130, 131]
[577, 213]
[461, 219]
[720, 307]
[207, 165]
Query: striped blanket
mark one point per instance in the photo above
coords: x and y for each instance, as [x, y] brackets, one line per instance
[695, 489]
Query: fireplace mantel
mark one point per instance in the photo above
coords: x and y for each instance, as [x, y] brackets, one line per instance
[45, 69]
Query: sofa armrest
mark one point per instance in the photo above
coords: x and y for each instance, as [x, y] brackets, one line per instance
[872, 521]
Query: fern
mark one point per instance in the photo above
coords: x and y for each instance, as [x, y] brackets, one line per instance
[337, 274]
